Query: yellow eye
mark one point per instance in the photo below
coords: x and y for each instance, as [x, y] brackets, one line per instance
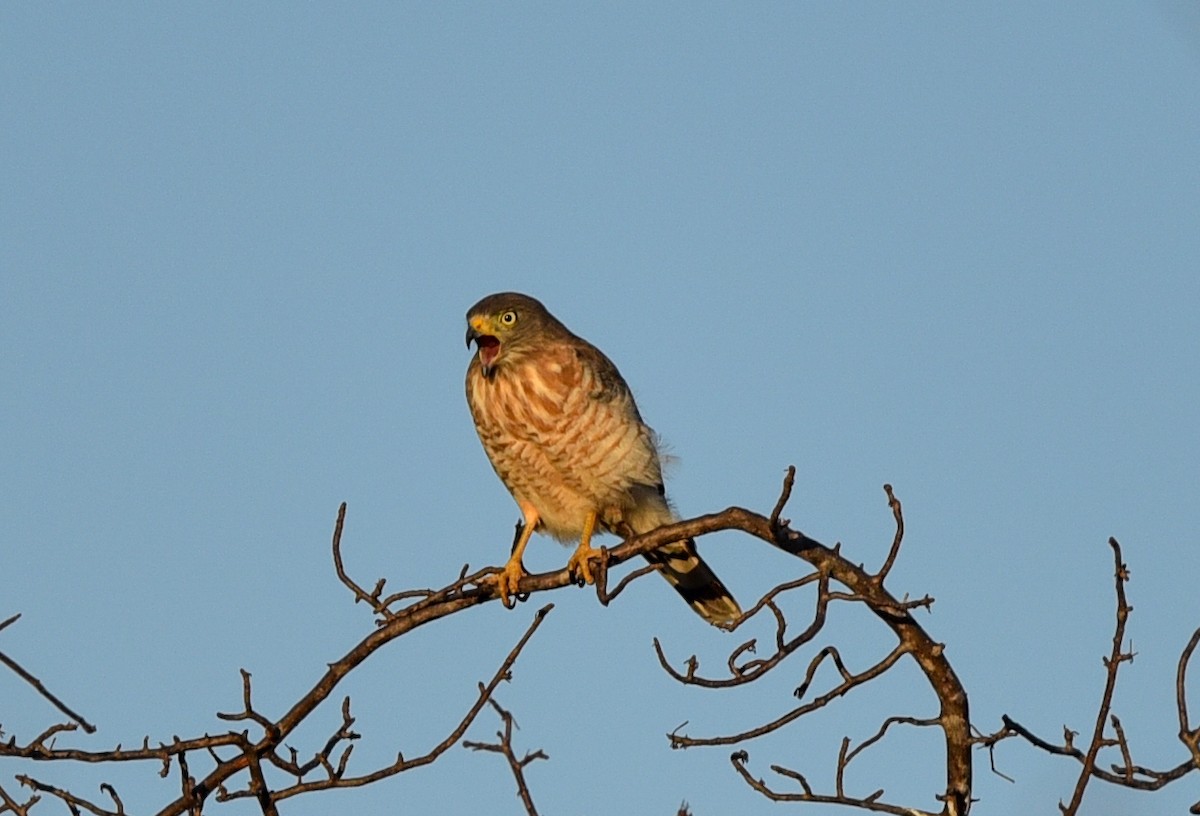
[508, 318]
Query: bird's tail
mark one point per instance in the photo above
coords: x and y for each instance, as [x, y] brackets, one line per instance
[685, 570]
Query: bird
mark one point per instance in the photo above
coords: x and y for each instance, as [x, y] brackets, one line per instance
[562, 431]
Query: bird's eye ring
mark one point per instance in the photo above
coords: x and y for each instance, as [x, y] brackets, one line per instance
[508, 318]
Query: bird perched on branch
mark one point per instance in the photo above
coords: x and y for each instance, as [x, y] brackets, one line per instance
[562, 431]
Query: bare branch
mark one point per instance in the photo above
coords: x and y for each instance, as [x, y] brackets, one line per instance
[71, 800]
[39, 750]
[602, 592]
[336, 778]
[786, 493]
[248, 712]
[751, 670]
[1112, 664]
[370, 598]
[39, 686]
[898, 514]
[888, 723]
[259, 788]
[1188, 735]
[1128, 774]
[849, 682]
[1144, 779]
[323, 757]
[504, 747]
[11, 805]
[806, 793]
[402, 612]
[896, 614]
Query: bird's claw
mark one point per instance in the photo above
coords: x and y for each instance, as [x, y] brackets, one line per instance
[507, 580]
[579, 567]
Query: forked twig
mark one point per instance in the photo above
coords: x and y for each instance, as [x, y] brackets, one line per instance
[504, 747]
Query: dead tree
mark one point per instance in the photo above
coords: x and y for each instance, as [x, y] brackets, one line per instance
[249, 760]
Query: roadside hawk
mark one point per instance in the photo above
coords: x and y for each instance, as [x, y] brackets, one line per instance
[563, 433]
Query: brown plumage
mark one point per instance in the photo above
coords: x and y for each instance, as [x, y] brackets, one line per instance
[563, 433]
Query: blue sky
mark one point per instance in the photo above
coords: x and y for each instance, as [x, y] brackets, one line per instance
[949, 247]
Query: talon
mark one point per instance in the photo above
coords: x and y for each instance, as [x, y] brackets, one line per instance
[579, 566]
[507, 580]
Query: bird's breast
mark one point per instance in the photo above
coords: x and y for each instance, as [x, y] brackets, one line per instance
[553, 443]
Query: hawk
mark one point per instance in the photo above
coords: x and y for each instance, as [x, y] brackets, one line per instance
[563, 433]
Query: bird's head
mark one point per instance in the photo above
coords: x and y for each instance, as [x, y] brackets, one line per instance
[504, 326]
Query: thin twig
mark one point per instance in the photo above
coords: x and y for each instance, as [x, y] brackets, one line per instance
[41, 689]
[337, 779]
[602, 592]
[13, 805]
[807, 794]
[789, 480]
[748, 672]
[1188, 735]
[504, 746]
[898, 515]
[849, 682]
[72, 801]
[1112, 664]
[360, 594]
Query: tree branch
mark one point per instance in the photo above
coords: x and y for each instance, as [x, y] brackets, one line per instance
[1112, 665]
[1127, 774]
[504, 747]
[39, 686]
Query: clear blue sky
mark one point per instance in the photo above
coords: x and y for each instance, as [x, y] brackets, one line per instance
[950, 247]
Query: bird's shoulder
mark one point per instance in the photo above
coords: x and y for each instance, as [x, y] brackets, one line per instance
[608, 384]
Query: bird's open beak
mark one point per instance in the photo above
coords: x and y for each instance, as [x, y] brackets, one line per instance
[479, 332]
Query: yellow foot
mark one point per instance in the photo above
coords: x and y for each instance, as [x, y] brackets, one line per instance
[579, 566]
[506, 581]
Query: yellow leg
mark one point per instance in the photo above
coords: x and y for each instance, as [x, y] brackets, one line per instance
[578, 565]
[513, 571]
